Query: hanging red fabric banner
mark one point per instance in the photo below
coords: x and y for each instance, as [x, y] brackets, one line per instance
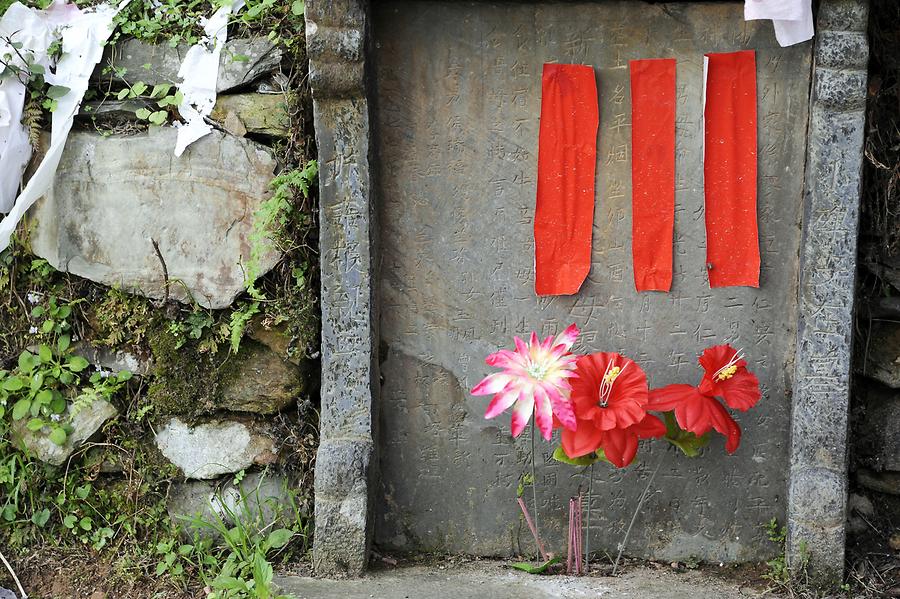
[567, 159]
[729, 169]
[652, 172]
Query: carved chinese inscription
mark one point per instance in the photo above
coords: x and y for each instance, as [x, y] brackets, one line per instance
[457, 89]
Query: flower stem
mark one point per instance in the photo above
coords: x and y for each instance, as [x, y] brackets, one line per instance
[534, 485]
[634, 516]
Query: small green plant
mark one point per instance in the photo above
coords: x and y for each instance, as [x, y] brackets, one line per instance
[778, 571]
[242, 568]
[275, 214]
[50, 381]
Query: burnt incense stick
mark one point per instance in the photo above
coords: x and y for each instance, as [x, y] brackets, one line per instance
[532, 528]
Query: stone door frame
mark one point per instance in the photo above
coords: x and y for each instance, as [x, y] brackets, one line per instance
[337, 33]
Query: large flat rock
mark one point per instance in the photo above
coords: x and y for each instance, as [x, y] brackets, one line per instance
[242, 62]
[114, 196]
[209, 449]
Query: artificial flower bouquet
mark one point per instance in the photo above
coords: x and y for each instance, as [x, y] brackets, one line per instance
[604, 406]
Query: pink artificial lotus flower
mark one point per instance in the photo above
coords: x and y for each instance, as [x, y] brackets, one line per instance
[534, 378]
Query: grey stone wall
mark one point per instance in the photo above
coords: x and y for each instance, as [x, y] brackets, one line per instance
[458, 97]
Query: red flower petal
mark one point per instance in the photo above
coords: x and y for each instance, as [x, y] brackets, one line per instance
[741, 391]
[582, 441]
[620, 446]
[717, 356]
[650, 427]
[725, 424]
[628, 396]
[669, 397]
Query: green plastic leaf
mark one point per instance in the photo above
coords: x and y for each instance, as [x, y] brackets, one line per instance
[55, 92]
[35, 424]
[689, 443]
[540, 569]
[559, 454]
[58, 436]
[77, 363]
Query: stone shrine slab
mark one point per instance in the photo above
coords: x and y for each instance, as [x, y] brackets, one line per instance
[457, 88]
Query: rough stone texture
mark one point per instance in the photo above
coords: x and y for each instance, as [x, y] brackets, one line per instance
[884, 363]
[258, 499]
[115, 109]
[84, 424]
[458, 101]
[264, 114]
[263, 383]
[115, 360]
[336, 35]
[495, 580]
[216, 447]
[877, 441]
[883, 482]
[114, 195]
[828, 255]
[154, 64]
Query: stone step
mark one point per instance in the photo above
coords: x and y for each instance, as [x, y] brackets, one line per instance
[496, 580]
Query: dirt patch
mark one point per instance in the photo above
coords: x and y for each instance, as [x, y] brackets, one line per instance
[82, 574]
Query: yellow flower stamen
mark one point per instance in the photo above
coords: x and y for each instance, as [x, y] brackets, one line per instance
[729, 370]
[611, 375]
[727, 373]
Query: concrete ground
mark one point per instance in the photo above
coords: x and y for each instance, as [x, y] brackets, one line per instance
[495, 580]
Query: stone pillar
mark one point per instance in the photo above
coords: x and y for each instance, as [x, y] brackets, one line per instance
[817, 496]
[336, 38]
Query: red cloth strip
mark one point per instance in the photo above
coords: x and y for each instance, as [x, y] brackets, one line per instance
[567, 159]
[729, 169]
[652, 172]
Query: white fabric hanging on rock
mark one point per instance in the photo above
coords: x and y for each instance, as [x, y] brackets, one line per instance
[793, 19]
[83, 33]
[199, 74]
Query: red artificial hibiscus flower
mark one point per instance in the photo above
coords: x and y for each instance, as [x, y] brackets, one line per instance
[696, 408]
[609, 397]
